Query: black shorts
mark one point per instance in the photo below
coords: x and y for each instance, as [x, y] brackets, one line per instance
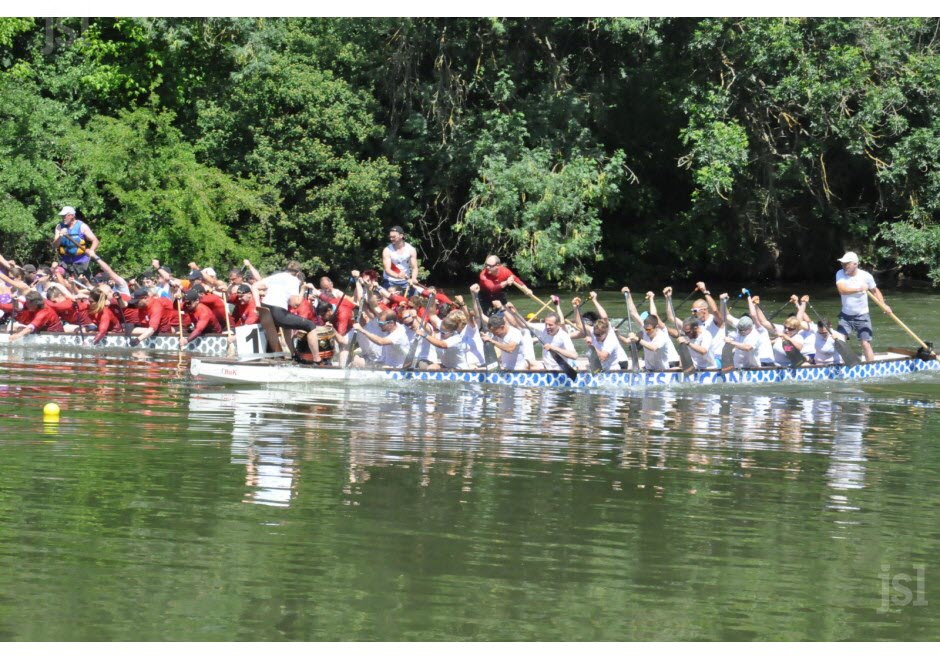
[284, 319]
[75, 269]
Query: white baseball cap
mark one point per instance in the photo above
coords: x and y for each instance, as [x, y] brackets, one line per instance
[849, 258]
[67, 210]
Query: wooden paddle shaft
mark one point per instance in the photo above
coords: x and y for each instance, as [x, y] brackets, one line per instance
[899, 322]
[542, 308]
[179, 310]
[539, 301]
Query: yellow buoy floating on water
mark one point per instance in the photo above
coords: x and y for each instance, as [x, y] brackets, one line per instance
[51, 411]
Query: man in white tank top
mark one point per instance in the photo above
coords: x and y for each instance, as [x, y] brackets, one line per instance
[399, 261]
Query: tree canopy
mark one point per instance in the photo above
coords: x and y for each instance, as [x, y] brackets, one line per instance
[580, 150]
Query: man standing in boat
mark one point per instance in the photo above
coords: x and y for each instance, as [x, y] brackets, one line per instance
[853, 283]
[495, 278]
[399, 261]
[74, 242]
[283, 289]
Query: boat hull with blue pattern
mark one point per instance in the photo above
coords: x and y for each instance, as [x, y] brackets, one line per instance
[285, 372]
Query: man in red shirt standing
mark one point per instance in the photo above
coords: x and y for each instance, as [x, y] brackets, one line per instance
[495, 278]
[44, 318]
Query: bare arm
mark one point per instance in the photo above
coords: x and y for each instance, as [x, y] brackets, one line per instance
[601, 312]
[712, 306]
[254, 271]
[90, 235]
[578, 321]
[631, 307]
[16, 284]
[758, 314]
[414, 266]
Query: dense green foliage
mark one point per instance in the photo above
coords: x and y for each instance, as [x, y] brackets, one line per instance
[612, 149]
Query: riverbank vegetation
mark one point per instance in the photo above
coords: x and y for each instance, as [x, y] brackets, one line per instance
[581, 150]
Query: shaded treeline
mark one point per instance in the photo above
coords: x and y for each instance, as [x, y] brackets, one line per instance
[605, 149]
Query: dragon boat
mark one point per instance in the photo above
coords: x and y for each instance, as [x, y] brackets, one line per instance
[209, 345]
[274, 371]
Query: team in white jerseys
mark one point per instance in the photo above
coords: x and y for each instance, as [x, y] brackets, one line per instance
[457, 341]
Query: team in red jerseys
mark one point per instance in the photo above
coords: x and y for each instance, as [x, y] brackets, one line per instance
[53, 299]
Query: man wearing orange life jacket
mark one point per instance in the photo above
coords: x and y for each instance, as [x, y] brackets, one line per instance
[75, 242]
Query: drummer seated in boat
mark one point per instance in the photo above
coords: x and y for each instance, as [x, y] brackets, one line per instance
[393, 341]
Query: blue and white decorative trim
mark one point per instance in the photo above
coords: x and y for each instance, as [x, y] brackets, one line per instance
[286, 372]
[207, 345]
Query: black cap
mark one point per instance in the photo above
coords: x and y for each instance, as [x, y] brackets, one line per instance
[398, 229]
[194, 275]
[198, 288]
[140, 294]
[191, 296]
[243, 288]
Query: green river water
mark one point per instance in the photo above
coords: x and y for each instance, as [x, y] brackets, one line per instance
[161, 508]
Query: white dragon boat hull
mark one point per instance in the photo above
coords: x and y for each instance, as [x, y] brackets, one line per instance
[283, 372]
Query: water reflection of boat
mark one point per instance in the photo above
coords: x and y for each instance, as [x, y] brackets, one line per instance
[278, 433]
[279, 371]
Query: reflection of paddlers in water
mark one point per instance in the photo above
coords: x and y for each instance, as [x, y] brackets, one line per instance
[75, 243]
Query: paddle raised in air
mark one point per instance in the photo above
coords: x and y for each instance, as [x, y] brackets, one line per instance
[685, 353]
[727, 351]
[634, 351]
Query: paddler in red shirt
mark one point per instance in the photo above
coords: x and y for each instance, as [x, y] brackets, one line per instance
[214, 302]
[246, 312]
[43, 319]
[72, 309]
[102, 312]
[204, 321]
[156, 314]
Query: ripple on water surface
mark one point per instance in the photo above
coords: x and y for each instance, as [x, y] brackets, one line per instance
[162, 508]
